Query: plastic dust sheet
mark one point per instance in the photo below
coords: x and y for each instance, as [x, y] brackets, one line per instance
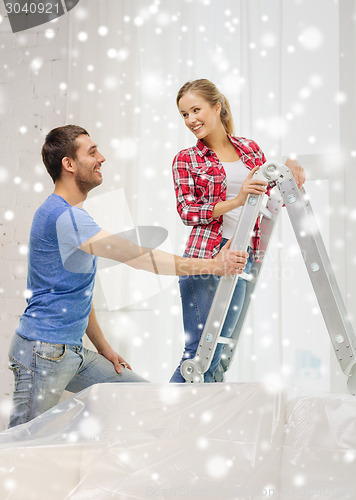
[209, 441]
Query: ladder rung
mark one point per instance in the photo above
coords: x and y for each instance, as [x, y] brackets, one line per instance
[246, 277]
[226, 340]
[266, 213]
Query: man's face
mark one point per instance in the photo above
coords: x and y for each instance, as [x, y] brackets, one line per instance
[87, 164]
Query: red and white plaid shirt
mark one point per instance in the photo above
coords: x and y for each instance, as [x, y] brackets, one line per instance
[200, 183]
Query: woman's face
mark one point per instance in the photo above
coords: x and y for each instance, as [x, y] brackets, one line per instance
[199, 116]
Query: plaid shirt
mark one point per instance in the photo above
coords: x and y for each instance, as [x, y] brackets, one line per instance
[200, 183]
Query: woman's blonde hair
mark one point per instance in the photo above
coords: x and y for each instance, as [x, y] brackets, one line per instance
[206, 89]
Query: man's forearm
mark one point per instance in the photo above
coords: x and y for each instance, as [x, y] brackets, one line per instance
[164, 263]
[152, 260]
[159, 262]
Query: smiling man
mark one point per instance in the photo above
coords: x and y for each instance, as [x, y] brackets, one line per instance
[46, 354]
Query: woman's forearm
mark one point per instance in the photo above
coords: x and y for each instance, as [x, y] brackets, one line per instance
[223, 207]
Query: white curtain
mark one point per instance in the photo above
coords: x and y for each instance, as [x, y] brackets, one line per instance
[278, 64]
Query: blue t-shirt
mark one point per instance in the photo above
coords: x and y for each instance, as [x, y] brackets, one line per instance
[60, 276]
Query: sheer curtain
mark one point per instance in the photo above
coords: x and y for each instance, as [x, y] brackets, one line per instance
[278, 64]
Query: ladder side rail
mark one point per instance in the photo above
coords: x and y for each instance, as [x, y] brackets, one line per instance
[193, 369]
[329, 270]
[321, 275]
[268, 225]
[351, 337]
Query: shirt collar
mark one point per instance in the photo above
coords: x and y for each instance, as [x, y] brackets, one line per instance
[203, 150]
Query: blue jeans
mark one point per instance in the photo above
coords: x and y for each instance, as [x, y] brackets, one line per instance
[43, 371]
[197, 293]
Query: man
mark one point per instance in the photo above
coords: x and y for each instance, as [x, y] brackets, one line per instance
[46, 354]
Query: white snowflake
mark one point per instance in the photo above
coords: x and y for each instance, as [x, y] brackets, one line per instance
[311, 38]
[89, 427]
[82, 36]
[217, 467]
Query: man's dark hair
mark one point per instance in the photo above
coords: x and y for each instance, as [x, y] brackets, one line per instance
[59, 143]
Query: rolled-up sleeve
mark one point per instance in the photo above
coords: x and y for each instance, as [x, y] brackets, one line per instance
[191, 211]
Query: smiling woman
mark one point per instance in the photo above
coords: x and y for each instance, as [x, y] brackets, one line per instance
[195, 101]
[198, 114]
[212, 181]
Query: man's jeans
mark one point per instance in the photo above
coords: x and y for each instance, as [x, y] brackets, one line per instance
[197, 293]
[43, 371]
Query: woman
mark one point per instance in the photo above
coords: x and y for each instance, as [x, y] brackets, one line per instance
[212, 181]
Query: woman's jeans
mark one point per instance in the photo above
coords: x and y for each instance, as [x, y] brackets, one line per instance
[43, 371]
[197, 293]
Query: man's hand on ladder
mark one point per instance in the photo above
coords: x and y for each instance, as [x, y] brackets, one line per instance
[231, 261]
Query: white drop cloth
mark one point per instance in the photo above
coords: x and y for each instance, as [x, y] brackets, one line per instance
[208, 442]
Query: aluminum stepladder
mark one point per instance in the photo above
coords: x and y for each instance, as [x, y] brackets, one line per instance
[317, 262]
